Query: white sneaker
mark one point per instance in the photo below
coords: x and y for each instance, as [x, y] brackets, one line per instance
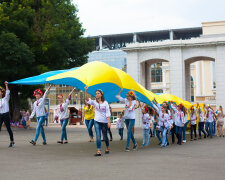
[184, 141]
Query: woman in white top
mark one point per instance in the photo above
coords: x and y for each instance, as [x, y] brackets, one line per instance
[220, 116]
[129, 116]
[164, 121]
[179, 120]
[101, 120]
[39, 111]
[201, 122]
[4, 111]
[209, 119]
[63, 115]
[193, 119]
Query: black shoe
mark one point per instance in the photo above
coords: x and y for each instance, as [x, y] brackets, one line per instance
[106, 152]
[44, 143]
[33, 142]
[59, 142]
[159, 143]
[191, 139]
[66, 142]
[204, 136]
[195, 139]
[135, 147]
[97, 154]
[127, 150]
[110, 139]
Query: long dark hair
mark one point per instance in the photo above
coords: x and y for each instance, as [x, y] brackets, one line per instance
[102, 98]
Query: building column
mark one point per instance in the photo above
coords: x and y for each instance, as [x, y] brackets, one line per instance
[177, 74]
[220, 75]
[197, 72]
[164, 79]
[203, 78]
[188, 82]
[100, 42]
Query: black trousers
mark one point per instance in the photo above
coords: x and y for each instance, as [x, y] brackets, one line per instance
[193, 128]
[173, 133]
[5, 117]
[110, 133]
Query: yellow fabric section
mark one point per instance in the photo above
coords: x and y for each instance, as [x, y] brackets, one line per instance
[91, 74]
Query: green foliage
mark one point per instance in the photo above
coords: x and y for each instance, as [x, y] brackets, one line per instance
[38, 36]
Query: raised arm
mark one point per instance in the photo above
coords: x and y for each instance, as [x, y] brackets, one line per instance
[7, 93]
[86, 94]
[120, 92]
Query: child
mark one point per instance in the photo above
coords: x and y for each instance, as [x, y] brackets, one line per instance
[120, 125]
[63, 115]
[39, 110]
[146, 120]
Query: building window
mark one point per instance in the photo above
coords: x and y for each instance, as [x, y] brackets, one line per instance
[157, 91]
[156, 72]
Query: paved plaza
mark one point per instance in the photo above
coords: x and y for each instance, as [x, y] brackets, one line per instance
[202, 159]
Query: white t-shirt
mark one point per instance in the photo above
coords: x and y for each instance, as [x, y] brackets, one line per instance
[193, 117]
[179, 116]
[209, 115]
[39, 106]
[201, 114]
[129, 111]
[102, 111]
[120, 123]
[62, 110]
[4, 103]
[146, 121]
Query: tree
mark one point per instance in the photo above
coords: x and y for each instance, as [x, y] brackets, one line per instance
[43, 35]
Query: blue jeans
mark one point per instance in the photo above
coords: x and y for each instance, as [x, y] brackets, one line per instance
[40, 128]
[120, 131]
[146, 137]
[164, 141]
[158, 131]
[130, 124]
[98, 127]
[211, 129]
[63, 129]
[89, 124]
[214, 127]
[201, 129]
[207, 127]
[184, 131]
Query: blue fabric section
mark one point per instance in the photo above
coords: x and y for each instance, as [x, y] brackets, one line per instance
[40, 79]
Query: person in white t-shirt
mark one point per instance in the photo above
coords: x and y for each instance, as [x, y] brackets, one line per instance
[129, 116]
[39, 111]
[146, 125]
[193, 119]
[63, 115]
[4, 111]
[120, 125]
[101, 119]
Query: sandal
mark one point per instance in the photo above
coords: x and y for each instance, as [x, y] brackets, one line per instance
[99, 153]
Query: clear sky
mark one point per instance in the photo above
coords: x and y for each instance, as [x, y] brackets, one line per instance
[101, 17]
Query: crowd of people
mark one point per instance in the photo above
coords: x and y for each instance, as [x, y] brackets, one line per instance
[160, 120]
